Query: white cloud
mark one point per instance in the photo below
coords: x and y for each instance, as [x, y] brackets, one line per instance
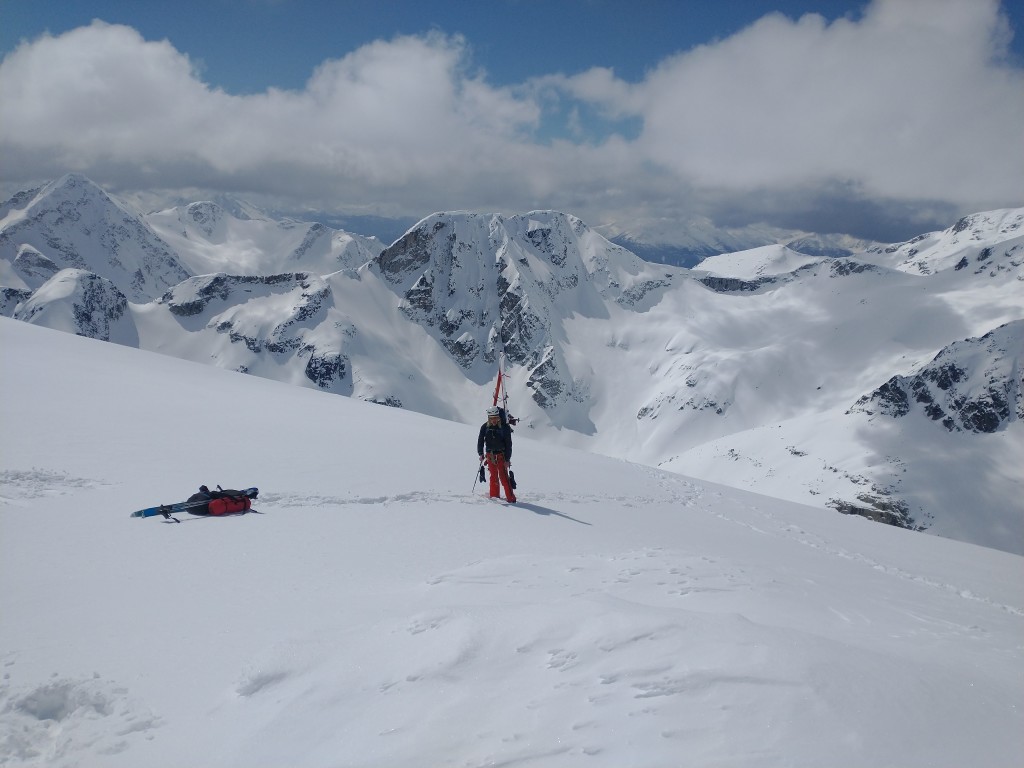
[911, 102]
[96, 90]
[385, 114]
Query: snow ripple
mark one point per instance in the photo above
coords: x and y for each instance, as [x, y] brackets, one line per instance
[20, 484]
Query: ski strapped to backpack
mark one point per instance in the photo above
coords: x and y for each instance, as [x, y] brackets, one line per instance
[501, 393]
[206, 502]
[507, 420]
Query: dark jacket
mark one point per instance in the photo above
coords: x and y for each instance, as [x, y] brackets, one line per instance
[497, 438]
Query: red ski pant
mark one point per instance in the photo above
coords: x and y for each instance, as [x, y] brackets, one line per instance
[498, 470]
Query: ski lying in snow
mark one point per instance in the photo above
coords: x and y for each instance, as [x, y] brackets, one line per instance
[184, 506]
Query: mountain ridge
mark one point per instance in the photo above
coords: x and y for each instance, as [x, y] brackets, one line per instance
[679, 368]
[76, 225]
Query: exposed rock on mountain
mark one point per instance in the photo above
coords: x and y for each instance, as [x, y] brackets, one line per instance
[742, 371]
[34, 268]
[72, 223]
[990, 242]
[10, 298]
[973, 385]
[82, 303]
[273, 314]
[483, 285]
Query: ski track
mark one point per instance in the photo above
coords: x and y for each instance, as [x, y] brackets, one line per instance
[624, 633]
[798, 534]
[17, 485]
[672, 574]
[299, 500]
[779, 528]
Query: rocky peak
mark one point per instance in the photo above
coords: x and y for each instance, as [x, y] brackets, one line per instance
[80, 302]
[483, 284]
[973, 385]
[991, 241]
[74, 224]
[206, 216]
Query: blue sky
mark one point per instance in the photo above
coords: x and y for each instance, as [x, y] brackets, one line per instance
[246, 46]
[822, 115]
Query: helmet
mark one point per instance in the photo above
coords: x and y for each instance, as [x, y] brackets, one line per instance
[494, 411]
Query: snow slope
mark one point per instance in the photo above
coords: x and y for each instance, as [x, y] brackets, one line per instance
[757, 262]
[210, 239]
[379, 613]
[751, 371]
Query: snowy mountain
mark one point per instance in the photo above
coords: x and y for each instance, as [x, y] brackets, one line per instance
[985, 242]
[83, 303]
[972, 385]
[951, 412]
[73, 224]
[209, 238]
[482, 285]
[766, 369]
[686, 243]
[377, 611]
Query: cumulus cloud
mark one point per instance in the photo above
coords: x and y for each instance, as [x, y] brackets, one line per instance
[895, 102]
[912, 109]
[386, 115]
[914, 102]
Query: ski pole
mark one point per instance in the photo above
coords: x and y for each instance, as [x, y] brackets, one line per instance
[478, 475]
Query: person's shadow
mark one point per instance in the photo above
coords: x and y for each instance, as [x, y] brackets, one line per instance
[539, 510]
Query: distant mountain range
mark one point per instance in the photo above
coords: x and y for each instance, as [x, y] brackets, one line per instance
[699, 238]
[843, 381]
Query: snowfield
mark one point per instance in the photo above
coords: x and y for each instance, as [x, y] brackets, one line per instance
[378, 611]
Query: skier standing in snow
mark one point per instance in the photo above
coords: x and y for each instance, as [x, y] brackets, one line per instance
[495, 444]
